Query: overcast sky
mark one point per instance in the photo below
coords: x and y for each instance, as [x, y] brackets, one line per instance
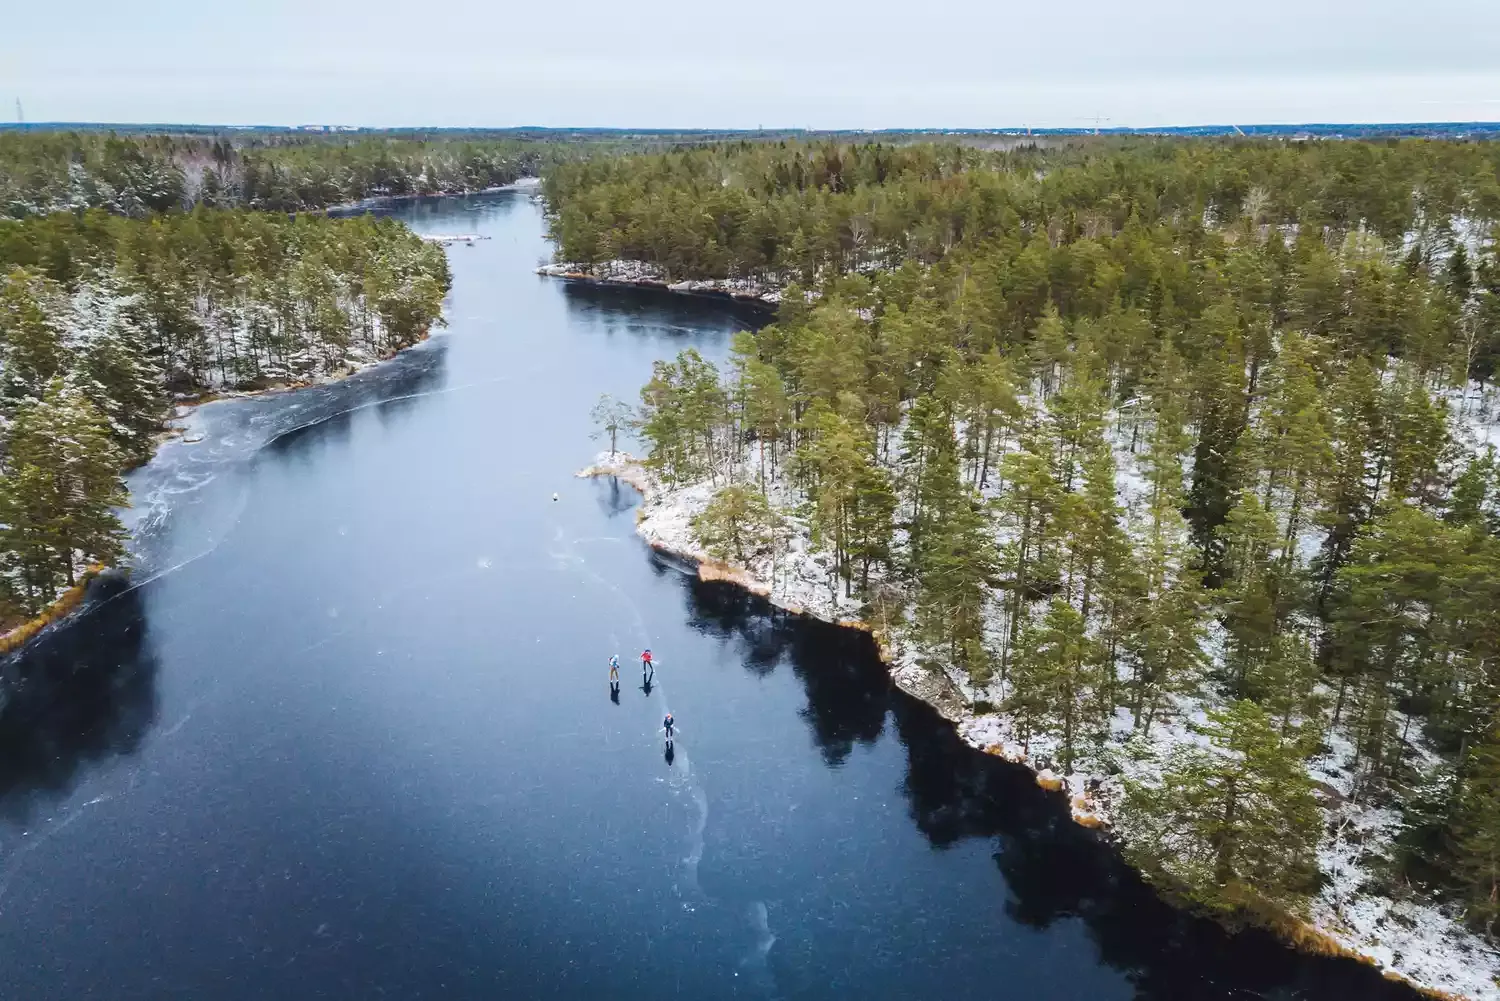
[771, 63]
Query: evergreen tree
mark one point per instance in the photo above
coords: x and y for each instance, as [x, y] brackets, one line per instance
[1412, 453]
[682, 412]
[612, 416]
[115, 372]
[837, 461]
[1049, 349]
[1165, 639]
[1358, 422]
[1027, 508]
[1167, 439]
[1164, 632]
[871, 525]
[930, 460]
[1252, 583]
[57, 500]
[952, 548]
[1057, 685]
[1289, 440]
[953, 581]
[1394, 595]
[1285, 684]
[1475, 498]
[737, 524]
[767, 412]
[1477, 835]
[1230, 822]
[31, 345]
[1221, 408]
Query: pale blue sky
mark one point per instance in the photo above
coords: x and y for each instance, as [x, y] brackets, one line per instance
[777, 63]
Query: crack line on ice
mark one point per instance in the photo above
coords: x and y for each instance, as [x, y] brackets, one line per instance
[684, 777]
[156, 517]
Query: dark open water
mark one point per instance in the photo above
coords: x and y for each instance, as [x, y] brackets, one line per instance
[351, 738]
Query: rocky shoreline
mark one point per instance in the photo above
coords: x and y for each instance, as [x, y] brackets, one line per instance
[638, 274]
[1433, 955]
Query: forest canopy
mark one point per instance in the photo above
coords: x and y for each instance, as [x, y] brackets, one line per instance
[102, 317]
[1180, 454]
[792, 209]
[139, 174]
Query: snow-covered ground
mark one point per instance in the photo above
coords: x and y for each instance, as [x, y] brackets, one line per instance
[1423, 942]
[1406, 939]
[446, 238]
[1474, 415]
[640, 273]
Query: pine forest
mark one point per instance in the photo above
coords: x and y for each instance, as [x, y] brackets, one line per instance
[103, 319]
[1168, 466]
[136, 174]
[1175, 459]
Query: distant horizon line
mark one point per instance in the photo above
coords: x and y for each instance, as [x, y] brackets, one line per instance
[1253, 129]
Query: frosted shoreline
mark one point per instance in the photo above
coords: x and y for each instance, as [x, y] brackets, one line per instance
[638, 274]
[363, 205]
[1412, 942]
[176, 423]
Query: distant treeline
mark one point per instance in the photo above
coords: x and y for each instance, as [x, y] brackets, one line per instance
[794, 211]
[137, 174]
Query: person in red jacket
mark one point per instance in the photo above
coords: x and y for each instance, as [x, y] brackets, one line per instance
[648, 671]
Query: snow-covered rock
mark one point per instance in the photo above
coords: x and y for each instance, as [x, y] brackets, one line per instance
[642, 274]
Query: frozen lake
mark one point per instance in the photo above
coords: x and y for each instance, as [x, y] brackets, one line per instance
[352, 737]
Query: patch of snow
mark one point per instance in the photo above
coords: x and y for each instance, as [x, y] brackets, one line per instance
[1423, 943]
[1474, 416]
[445, 238]
[644, 275]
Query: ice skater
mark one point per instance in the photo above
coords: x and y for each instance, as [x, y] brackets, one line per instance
[614, 674]
[648, 670]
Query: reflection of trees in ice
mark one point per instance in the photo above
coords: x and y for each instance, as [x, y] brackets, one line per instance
[83, 693]
[1054, 869]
